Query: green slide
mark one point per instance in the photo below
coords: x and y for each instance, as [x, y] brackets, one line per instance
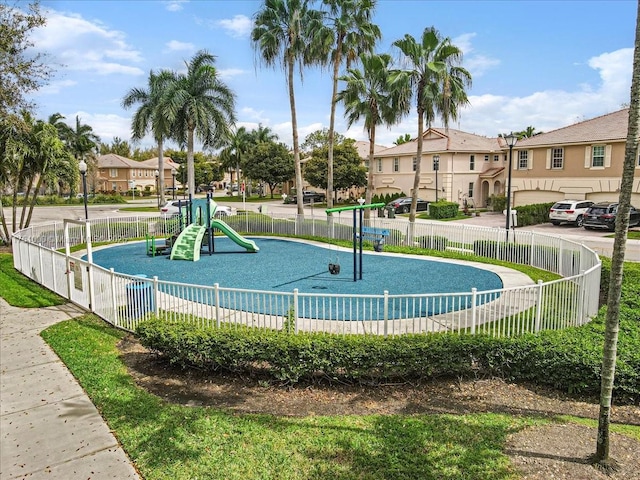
[250, 245]
[187, 245]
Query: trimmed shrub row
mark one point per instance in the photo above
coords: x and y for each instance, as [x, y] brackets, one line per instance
[568, 360]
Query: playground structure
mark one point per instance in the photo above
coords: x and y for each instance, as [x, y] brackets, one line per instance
[360, 232]
[197, 222]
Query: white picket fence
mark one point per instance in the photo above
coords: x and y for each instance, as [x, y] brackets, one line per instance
[42, 254]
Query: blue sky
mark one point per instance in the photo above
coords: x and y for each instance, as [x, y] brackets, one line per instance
[542, 63]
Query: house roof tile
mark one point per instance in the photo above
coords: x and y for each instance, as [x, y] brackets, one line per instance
[605, 128]
[437, 140]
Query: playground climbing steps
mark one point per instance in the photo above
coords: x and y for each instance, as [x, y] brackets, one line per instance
[187, 245]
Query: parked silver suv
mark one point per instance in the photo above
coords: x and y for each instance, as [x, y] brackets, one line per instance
[569, 211]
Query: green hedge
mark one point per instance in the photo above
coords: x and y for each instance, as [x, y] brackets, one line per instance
[546, 257]
[533, 214]
[442, 209]
[434, 242]
[568, 360]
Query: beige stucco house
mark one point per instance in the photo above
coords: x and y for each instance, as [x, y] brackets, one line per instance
[470, 167]
[121, 174]
[581, 161]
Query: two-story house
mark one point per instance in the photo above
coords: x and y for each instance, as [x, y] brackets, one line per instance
[581, 161]
[455, 166]
[120, 174]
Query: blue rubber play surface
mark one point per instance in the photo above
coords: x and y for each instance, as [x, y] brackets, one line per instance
[283, 265]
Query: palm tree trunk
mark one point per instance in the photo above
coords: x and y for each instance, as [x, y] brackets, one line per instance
[34, 199]
[416, 178]
[296, 147]
[5, 229]
[191, 174]
[369, 193]
[25, 199]
[601, 457]
[332, 121]
[161, 171]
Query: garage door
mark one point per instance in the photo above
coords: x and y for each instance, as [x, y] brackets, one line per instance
[603, 197]
[530, 197]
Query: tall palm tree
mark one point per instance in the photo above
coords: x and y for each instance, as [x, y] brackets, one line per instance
[438, 84]
[402, 139]
[351, 33]
[263, 134]
[151, 116]
[80, 141]
[370, 94]
[601, 457]
[199, 103]
[281, 35]
[233, 154]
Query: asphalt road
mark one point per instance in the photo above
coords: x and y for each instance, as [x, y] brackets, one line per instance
[595, 239]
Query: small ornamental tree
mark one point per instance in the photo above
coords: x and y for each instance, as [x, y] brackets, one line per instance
[348, 169]
[271, 163]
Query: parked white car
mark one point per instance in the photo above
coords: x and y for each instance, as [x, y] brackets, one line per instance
[172, 208]
[569, 211]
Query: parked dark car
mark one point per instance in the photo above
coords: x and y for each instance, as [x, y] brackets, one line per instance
[308, 196]
[403, 205]
[603, 215]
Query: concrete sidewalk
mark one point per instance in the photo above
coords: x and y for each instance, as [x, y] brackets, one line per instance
[48, 426]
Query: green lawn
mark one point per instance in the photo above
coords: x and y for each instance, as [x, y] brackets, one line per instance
[19, 291]
[175, 442]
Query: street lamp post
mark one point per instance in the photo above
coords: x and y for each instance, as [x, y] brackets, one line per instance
[436, 167]
[511, 140]
[82, 166]
[157, 188]
[173, 175]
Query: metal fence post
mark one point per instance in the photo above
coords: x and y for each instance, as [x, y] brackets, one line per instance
[386, 312]
[114, 302]
[539, 306]
[474, 295]
[216, 294]
[295, 310]
[156, 296]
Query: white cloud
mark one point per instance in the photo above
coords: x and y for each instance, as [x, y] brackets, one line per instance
[80, 44]
[228, 73]
[237, 27]
[463, 42]
[176, 46]
[106, 126]
[174, 5]
[55, 87]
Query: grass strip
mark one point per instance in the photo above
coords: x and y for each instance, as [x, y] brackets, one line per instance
[176, 442]
[20, 291]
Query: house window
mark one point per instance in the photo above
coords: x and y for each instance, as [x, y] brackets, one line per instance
[496, 158]
[113, 172]
[133, 173]
[470, 193]
[557, 158]
[504, 157]
[472, 162]
[396, 164]
[597, 156]
[523, 159]
[486, 158]
[379, 166]
[114, 187]
[366, 164]
[414, 164]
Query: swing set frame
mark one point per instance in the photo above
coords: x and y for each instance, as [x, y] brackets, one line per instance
[357, 234]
